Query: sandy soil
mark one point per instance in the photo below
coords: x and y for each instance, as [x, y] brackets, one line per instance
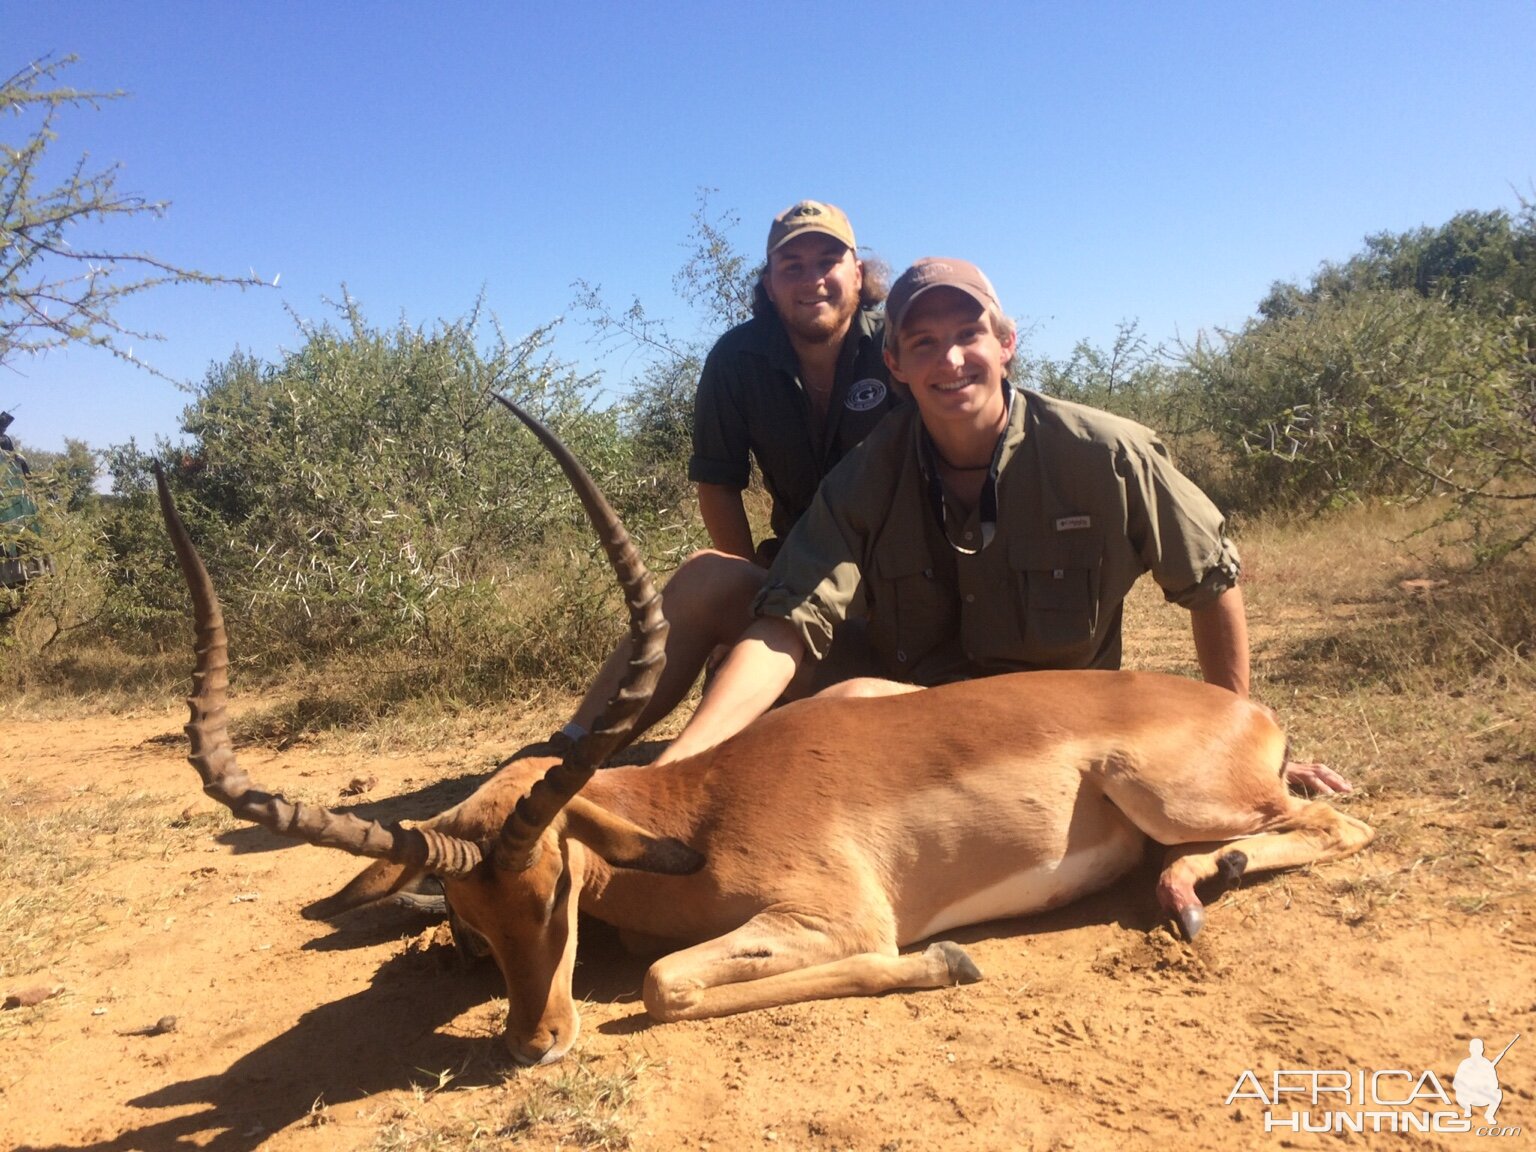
[1093, 1028]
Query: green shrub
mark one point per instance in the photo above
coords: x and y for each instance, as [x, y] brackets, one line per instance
[1378, 394]
[365, 492]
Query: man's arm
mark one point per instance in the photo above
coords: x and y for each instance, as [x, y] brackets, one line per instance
[1221, 641]
[754, 675]
[1221, 644]
[725, 518]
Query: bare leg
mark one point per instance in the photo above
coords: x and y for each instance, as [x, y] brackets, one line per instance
[783, 958]
[707, 602]
[864, 687]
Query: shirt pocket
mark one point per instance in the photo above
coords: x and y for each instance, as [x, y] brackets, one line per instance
[912, 611]
[1059, 582]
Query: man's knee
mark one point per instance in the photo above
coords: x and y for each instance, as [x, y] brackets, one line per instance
[720, 573]
[864, 687]
[715, 585]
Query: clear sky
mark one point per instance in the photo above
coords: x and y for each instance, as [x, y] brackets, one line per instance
[1101, 161]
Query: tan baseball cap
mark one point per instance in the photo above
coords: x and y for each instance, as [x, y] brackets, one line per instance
[809, 216]
[938, 272]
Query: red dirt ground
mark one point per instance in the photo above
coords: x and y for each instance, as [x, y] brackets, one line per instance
[1093, 1028]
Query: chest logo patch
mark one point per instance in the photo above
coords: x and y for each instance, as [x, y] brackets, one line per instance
[1071, 523]
[865, 394]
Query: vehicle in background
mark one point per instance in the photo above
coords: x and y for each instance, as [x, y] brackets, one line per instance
[21, 555]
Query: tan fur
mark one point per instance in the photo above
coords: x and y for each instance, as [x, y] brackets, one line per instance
[834, 832]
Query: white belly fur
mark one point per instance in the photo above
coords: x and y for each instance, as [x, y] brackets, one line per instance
[1043, 886]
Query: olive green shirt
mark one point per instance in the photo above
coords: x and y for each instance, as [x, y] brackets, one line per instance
[1081, 504]
[751, 403]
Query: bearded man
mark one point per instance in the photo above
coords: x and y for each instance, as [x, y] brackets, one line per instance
[794, 388]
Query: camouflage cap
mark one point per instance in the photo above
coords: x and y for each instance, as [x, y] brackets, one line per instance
[809, 216]
[938, 272]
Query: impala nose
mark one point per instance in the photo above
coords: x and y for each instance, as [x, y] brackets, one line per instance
[544, 1046]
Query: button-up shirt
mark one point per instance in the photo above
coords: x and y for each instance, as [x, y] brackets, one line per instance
[1081, 504]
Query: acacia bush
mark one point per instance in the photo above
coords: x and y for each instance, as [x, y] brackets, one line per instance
[1406, 371]
[366, 493]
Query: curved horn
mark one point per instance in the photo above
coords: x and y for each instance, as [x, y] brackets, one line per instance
[648, 635]
[214, 757]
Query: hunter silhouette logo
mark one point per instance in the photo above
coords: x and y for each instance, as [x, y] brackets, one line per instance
[1341, 1100]
[1477, 1083]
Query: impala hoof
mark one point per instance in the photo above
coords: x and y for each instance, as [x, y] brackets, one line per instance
[1231, 866]
[1191, 919]
[962, 970]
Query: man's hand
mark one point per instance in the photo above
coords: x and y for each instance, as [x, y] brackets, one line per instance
[1314, 779]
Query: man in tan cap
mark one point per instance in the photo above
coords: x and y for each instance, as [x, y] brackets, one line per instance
[795, 388]
[797, 385]
[983, 529]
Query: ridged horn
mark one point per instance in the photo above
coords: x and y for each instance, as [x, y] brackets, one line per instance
[515, 847]
[223, 779]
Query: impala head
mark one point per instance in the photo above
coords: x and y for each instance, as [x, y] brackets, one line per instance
[530, 925]
[505, 855]
[522, 901]
[525, 912]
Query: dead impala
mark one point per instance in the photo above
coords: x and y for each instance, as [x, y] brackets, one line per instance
[795, 859]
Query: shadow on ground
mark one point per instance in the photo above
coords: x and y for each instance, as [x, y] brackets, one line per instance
[387, 1037]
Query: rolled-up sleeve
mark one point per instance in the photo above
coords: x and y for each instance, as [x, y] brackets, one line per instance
[721, 444]
[1179, 533]
[816, 580]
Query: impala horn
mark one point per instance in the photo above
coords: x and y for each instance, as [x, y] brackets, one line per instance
[517, 844]
[214, 757]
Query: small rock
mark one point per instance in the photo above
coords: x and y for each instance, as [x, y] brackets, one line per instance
[359, 784]
[159, 1028]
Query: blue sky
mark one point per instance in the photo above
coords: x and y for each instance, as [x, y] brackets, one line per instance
[1101, 161]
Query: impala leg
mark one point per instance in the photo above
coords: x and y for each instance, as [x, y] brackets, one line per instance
[1314, 833]
[782, 958]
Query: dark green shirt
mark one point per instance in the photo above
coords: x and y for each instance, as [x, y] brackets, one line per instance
[751, 403]
[1083, 503]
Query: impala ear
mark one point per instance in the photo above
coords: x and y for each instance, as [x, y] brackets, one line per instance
[626, 845]
[380, 879]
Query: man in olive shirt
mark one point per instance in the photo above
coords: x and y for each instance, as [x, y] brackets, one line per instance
[987, 530]
[795, 387]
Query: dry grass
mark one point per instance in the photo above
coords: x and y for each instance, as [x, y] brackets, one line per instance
[53, 686]
[580, 1103]
[1423, 697]
[51, 851]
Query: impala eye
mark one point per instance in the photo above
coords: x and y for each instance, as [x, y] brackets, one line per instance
[561, 890]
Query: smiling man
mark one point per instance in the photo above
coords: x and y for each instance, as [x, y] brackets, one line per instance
[985, 529]
[795, 388]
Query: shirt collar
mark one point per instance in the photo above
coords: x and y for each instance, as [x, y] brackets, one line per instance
[1013, 435]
